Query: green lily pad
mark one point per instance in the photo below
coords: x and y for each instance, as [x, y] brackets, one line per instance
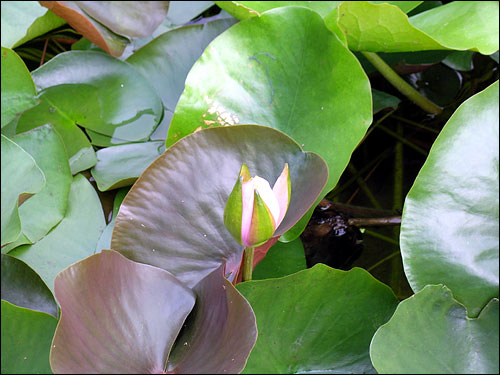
[449, 229]
[120, 166]
[293, 81]
[21, 175]
[117, 316]
[100, 93]
[460, 60]
[26, 338]
[165, 62]
[319, 320]
[246, 9]
[73, 239]
[47, 149]
[22, 287]
[471, 25]
[18, 89]
[25, 20]
[431, 334]
[173, 215]
[281, 260]
[105, 239]
[220, 332]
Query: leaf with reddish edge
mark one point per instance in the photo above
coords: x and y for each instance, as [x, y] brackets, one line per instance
[173, 216]
[220, 332]
[117, 316]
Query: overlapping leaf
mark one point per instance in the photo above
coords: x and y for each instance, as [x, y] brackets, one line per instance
[318, 320]
[26, 338]
[173, 216]
[109, 24]
[430, 334]
[18, 89]
[47, 149]
[459, 25]
[282, 259]
[287, 71]
[449, 229]
[73, 239]
[21, 175]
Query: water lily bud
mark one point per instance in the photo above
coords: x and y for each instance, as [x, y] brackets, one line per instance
[254, 210]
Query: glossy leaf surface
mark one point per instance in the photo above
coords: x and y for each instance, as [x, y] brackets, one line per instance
[449, 229]
[22, 287]
[430, 334]
[46, 209]
[26, 338]
[345, 309]
[282, 259]
[18, 89]
[166, 221]
[382, 100]
[220, 332]
[119, 166]
[246, 9]
[165, 62]
[25, 20]
[21, 175]
[100, 93]
[294, 81]
[73, 239]
[117, 316]
[459, 25]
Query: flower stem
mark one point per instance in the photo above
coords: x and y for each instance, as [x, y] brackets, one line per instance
[401, 84]
[248, 263]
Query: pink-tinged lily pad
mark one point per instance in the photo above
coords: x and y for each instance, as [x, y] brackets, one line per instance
[220, 332]
[173, 216]
[109, 24]
[117, 316]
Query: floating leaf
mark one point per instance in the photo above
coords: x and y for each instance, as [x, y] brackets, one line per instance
[117, 316]
[18, 89]
[73, 239]
[449, 229]
[26, 338]
[22, 287]
[281, 260]
[21, 175]
[120, 166]
[345, 309]
[430, 334]
[25, 20]
[166, 221]
[105, 239]
[108, 24]
[469, 25]
[289, 75]
[382, 100]
[220, 332]
[47, 149]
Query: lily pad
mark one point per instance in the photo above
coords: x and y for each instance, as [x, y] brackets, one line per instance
[26, 338]
[47, 149]
[73, 239]
[281, 260]
[449, 229]
[21, 175]
[100, 93]
[219, 333]
[345, 309]
[382, 100]
[105, 239]
[25, 20]
[117, 316]
[430, 334]
[120, 166]
[166, 61]
[110, 24]
[287, 71]
[173, 216]
[471, 25]
[22, 287]
[246, 9]
[18, 89]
